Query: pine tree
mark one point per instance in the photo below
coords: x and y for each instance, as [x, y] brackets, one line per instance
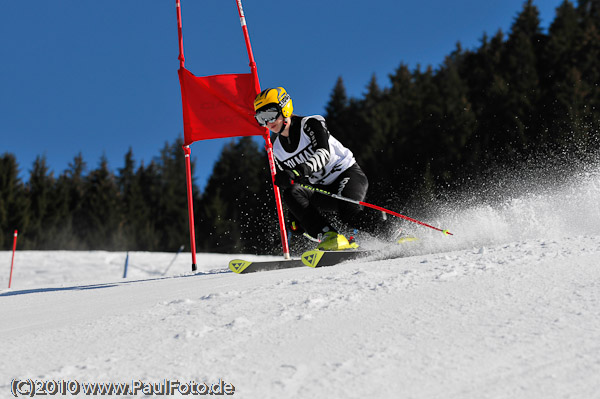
[61, 229]
[172, 212]
[148, 234]
[384, 156]
[336, 111]
[563, 103]
[100, 207]
[519, 122]
[338, 101]
[74, 184]
[590, 11]
[14, 211]
[369, 134]
[40, 189]
[480, 70]
[458, 123]
[427, 113]
[136, 216]
[588, 60]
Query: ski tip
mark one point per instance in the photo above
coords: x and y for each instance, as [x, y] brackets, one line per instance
[238, 266]
[312, 258]
[447, 233]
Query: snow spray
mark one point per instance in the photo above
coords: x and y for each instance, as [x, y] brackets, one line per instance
[12, 262]
[526, 206]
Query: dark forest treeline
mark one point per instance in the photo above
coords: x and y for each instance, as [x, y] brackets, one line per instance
[137, 208]
[134, 209]
[140, 207]
[519, 96]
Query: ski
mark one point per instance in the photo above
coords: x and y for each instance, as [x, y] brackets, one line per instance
[320, 258]
[240, 266]
[314, 258]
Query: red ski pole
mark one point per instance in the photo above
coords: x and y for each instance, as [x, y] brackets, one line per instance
[12, 262]
[320, 191]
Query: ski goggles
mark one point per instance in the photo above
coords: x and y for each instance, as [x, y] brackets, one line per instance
[268, 115]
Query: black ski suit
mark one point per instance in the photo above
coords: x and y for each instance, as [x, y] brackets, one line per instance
[323, 162]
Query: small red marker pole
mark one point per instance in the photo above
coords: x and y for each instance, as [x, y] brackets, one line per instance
[12, 262]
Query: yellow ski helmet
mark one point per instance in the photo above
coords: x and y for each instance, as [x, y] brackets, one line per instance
[278, 97]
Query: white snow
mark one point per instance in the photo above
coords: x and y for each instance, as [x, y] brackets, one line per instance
[509, 307]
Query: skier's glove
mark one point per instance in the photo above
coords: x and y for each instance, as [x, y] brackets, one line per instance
[287, 177]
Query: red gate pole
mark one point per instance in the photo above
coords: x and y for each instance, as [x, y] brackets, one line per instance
[188, 152]
[12, 262]
[190, 199]
[266, 136]
[180, 34]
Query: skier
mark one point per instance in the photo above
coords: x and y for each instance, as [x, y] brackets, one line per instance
[306, 153]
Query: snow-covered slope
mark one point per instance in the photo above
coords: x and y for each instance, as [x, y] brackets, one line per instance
[509, 307]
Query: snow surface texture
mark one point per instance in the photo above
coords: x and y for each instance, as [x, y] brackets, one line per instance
[509, 307]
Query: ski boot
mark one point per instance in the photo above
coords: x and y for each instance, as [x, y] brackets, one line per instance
[333, 241]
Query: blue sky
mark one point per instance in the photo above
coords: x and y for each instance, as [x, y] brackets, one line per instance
[99, 77]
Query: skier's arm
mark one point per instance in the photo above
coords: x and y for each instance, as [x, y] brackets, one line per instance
[319, 138]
